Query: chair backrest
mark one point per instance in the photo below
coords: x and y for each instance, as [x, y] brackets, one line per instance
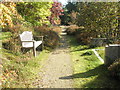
[26, 36]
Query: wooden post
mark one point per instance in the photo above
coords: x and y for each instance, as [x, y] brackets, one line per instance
[34, 49]
[42, 43]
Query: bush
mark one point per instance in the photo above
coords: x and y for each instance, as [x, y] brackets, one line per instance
[82, 35]
[72, 29]
[51, 38]
[56, 29]
[115, 69]
[83, 38]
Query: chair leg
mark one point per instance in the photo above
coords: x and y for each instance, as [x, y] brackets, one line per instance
[34, 51]
[42, 46]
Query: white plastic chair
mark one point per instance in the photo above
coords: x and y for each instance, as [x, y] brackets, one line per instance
[28, 42]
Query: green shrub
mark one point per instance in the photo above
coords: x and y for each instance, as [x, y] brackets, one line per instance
[114, 69]
[82, 35]
[83, 38]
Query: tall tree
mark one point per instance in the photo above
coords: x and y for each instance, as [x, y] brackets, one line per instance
[56, 11]
[99, 17]
[35, 12]
[70, 12]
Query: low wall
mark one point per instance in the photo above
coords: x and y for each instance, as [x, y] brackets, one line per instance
[112, 52]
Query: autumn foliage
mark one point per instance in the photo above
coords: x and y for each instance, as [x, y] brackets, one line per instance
[56, 11]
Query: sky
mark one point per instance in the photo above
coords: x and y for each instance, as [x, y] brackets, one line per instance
[64, 2]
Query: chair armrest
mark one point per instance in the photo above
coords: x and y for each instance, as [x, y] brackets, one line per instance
[38, 36]
[28, 41]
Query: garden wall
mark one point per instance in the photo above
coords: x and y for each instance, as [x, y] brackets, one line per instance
[112, 53]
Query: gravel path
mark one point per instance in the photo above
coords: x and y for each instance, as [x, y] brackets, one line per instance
[58, 65]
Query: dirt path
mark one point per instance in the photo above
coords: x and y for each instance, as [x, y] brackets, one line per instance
[58, 65]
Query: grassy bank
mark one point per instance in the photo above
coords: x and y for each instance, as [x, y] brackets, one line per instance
[89, 72]
[21, 71]
[101, 52]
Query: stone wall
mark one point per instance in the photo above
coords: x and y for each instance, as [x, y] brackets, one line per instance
[112, 53]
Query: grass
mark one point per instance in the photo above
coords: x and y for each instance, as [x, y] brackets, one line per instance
[101, 53]
[5, 36]
[89, 72]
[20, 74]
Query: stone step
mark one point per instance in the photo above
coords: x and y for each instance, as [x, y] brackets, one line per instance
[63, 30]
[63, 34]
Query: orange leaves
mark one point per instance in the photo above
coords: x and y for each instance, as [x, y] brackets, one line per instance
[8, 76]
[8, 12]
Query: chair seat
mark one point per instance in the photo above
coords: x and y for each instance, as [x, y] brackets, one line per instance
[30, 44]
[37, 43]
